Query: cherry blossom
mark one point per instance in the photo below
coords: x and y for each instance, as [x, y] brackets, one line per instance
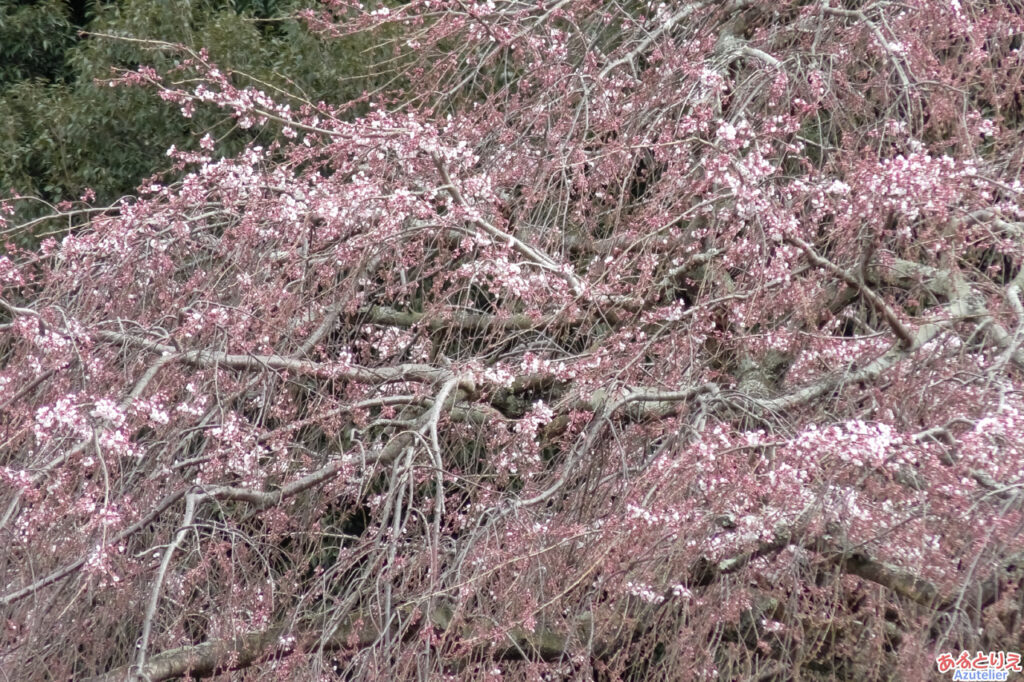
[605, 342]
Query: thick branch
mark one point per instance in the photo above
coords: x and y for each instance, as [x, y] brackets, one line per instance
[210, 359]
[962, 298]
[542, 644]
[962, 305]
[901, 331]
[902, 582]
[356, 632]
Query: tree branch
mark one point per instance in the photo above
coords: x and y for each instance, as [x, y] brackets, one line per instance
[542, 644]
[901, 331]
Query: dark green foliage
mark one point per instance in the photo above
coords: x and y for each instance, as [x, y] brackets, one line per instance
[62, 130]
[34, 37]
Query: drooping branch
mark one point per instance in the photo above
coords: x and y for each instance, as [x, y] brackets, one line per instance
[542, 644]
[569, 210]
[259, 499]
[643, 45]
[533, 254]
[901, 331]
[61, 573]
